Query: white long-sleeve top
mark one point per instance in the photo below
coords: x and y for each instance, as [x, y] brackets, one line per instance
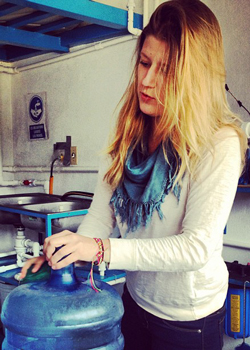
[175, 268]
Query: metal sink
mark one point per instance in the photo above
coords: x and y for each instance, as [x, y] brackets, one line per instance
[65, 208]
[16, 201]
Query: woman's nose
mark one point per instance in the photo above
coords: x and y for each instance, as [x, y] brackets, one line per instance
[149, 79]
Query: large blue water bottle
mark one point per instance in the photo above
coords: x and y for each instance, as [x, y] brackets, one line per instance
[62, 313]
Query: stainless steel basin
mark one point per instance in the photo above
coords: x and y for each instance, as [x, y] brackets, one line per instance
[58, 224]
[18, 201]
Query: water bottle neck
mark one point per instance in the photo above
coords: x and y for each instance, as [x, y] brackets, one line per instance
[64, 278]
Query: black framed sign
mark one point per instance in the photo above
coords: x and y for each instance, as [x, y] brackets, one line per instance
[37, 116]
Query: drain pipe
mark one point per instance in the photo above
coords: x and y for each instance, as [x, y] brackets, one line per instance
[21, 245]
[131, 29]
[145, 13]
[35, 247]
[7, 68]
[8, 267]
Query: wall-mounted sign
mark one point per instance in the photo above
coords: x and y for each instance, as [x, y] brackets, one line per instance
[37, 116]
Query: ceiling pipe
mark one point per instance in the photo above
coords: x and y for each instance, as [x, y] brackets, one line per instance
[131, 29]
[53, 58]
[7, 68]
[145, 13]
[45, 170]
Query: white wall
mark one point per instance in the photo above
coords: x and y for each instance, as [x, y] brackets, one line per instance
[82, 92]
[233, 16]
[83, 89]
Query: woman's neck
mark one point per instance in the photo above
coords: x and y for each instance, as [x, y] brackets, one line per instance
[154, 139]
[152, 145]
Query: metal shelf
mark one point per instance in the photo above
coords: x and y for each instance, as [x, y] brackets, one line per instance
[32, 27]
[111, 276]
[48, 217]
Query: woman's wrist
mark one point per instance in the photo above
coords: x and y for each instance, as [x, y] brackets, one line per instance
[103, 251]
[106, 245]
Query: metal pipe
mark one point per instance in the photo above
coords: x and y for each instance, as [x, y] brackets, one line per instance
[35, 246]
[3, 255]
[45, 170]
[131, 29]
[236, 244]
[26, 256]
[21, 245]
[74, 52]
[33, 183]
[8, 267]
[8, 68]
[145, 13]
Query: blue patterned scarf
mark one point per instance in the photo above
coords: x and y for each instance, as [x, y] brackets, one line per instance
[147, 180]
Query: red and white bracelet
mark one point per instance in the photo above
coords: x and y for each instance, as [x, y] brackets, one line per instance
[100, 253]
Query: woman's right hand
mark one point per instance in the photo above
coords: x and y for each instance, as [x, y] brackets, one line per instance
[37, 262]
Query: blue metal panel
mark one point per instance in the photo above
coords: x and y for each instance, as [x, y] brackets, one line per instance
[104, 22]
[14, 53]
[6, 9]
[3, 56]
[31, 40]
[84, 10]
[89, 34]
[65, 22]
[31, 18]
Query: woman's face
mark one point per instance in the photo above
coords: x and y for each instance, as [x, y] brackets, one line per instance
[151, 76]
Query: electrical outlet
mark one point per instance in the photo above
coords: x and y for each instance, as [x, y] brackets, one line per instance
[73, 155]
[63, 151]
[60, 154]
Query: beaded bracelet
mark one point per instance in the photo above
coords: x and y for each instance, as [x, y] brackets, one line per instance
[100, 253]
[97, 260]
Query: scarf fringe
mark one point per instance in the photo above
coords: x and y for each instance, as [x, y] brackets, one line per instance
[136, 213]
[133, 213]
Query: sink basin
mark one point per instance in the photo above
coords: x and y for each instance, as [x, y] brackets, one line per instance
[66, 223]
[18, 201]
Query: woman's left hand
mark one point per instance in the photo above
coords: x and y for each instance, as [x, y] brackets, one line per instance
[72, 246]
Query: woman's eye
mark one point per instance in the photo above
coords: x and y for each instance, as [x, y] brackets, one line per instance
[144, 64]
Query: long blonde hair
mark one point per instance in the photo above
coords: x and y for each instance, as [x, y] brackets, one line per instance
[195, 105]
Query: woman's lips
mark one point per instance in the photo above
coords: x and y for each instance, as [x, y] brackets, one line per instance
[146, 98]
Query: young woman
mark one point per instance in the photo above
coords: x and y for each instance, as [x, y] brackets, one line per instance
[168, 183]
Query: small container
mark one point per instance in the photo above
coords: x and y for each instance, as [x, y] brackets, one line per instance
[237, 316]
[237, 320]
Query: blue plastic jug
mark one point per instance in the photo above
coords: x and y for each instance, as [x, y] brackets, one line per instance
[62, 313]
